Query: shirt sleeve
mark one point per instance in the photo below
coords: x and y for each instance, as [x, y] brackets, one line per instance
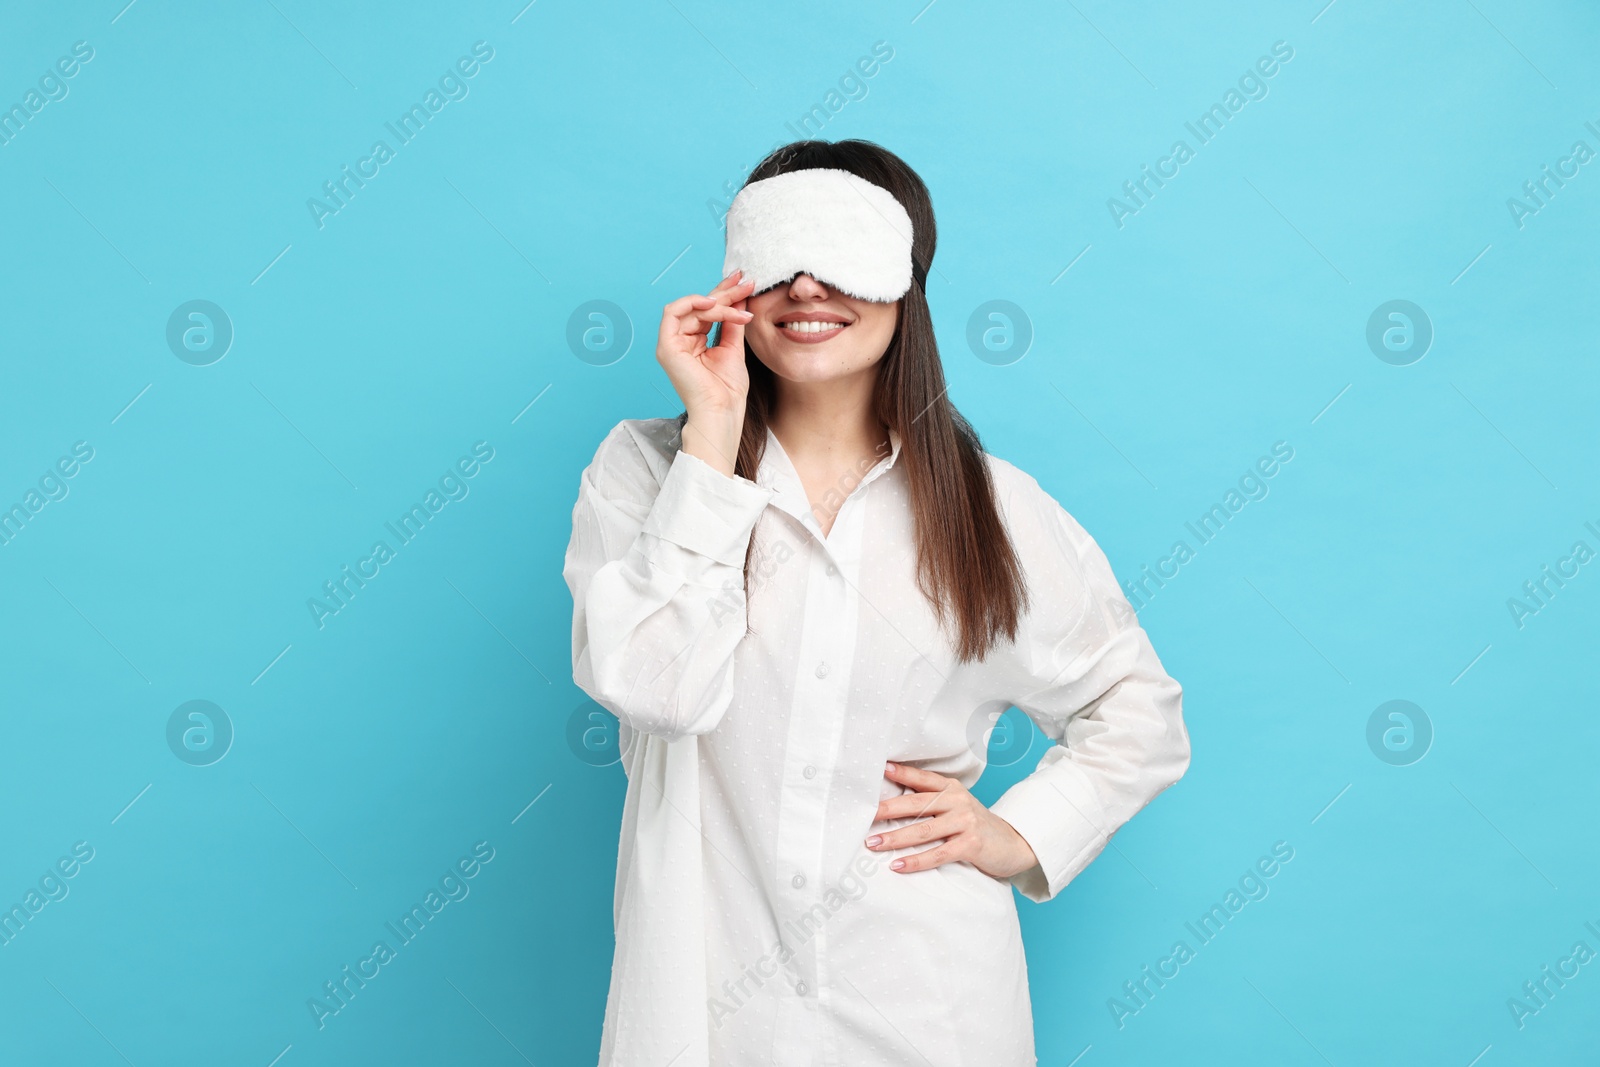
[1089, 679]
[656, 574]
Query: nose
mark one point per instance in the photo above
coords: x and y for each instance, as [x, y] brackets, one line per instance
[805, 287]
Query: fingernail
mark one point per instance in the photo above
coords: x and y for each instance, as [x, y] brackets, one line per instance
[897, 864]
[889, 768]
[875, 840]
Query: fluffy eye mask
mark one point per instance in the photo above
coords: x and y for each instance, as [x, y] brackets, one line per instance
[836, 226]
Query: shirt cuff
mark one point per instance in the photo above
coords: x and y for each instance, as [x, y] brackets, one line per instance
[1059, 815]
[705, 511]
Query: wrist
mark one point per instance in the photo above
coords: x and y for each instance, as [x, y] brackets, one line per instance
[714, 439]
[1020, 856]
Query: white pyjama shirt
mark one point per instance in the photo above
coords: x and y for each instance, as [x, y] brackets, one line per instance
[753, 926]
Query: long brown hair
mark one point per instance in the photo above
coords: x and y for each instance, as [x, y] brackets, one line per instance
[966, 564]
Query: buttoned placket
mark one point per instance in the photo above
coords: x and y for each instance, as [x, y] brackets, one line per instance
[816, 722]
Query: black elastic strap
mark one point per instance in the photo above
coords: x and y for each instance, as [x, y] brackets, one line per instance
[919, 274]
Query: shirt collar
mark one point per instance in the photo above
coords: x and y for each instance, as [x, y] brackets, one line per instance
[894, 447]
[776, 471]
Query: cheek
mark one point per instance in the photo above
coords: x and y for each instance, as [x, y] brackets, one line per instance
[879, 331]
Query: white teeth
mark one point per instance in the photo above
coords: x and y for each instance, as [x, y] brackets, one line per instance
[813, 327]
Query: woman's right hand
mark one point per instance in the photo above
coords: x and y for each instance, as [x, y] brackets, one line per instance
[711, 381]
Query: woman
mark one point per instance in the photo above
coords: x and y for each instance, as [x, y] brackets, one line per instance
[807, 599]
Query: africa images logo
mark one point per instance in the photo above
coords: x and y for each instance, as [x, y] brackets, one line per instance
[453, 485]
[454, 886]
[452, 85]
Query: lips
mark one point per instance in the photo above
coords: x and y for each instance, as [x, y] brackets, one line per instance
[812, 327]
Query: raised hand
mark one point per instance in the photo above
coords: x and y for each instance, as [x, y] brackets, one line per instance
[711, 380]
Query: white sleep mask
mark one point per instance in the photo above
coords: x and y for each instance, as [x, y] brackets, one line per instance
[832, 224]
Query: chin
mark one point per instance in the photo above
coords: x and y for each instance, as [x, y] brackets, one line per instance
[816, 364]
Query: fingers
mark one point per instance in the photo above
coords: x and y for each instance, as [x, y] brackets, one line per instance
[732, 294]
[920, 833]
[737, 280]
[724, 313]
[686, 322]
[693, 315]
[732, 336]
[953, 819]
[684, 304]
[930, 858]
[702, 318]
[918, 779]
[730, 282]
[915, 805]
[726, 292]
[686, 315]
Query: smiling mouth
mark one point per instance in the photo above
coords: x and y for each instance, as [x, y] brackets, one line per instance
[812, 331]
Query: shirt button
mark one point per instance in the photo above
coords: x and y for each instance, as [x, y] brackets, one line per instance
[798, 880]
[809, 772]
[832, 570]
[801, 987]
[822, 670]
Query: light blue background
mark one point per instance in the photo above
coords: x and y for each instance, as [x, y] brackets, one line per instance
[1227, 315]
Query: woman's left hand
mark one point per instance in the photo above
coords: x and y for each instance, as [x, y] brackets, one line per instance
[971, 831]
